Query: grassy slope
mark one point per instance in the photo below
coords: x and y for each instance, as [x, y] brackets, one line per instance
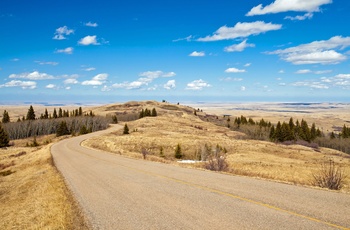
[294, 164]
[34, 196]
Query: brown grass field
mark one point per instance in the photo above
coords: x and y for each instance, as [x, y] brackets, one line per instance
[34, 196]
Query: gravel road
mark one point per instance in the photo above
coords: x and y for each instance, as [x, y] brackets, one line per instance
[116, 192]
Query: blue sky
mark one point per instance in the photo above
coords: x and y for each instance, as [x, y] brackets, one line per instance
[108, 51]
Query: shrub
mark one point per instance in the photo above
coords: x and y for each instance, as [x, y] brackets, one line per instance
[217, 160]
[126, 129]
[329, 176]
[178, 152]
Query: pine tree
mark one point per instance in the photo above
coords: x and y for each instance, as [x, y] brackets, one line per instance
[55, 113]
[4, 138]
[178, 152]
[142, 114]
[31, 113]
[60, 112]
[313, 132]
[62, 129]
[46, 114]
[278, 132]
[80, 111]
[126, 129]
[154, 112]
[5, 117]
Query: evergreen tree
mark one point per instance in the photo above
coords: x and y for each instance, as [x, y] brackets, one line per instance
[142, 114]
[4, 138]
[5, 117]
[46, 114]
[60, 112]
[278, 132]
[83, 130]
[55, 113]
[305, 133]
[115, 119]
[62, 129]
[31, 113]
[332, 136]
[126, 129]
[178, 152]
[287, 134]
[154, 112]
[80, 111]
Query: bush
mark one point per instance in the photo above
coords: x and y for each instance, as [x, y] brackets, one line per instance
[217, 160]
[329, 176]
[178, 152]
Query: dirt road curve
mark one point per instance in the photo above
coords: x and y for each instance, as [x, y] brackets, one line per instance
[121, 193]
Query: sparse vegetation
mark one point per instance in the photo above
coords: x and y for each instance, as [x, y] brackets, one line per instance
[216, 161]
[178, 152]
[126, 129]
[4, 138]
[329, 176]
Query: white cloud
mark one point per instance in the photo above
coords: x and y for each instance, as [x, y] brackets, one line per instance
[279, 6]
[145, 79]
[235, 70]
[311, 84]
[50, 86]
[70, 81]
[281, 71]
[188, 38]
[32, 76]
[22, 84]
[303, 71]
[171, 84]
[197, 54]
[99, 79]
[247, 64]
[88, 40]
[68, 88]
[230, 79]
[243, 88]
[105, 88]
[68, 50]
[91, 24]
[15, 59]
[90, 69]
[300, 17]
[317, 52]
[197, 85]
[241, 30]
[47, 63]
[238, 47]
[62, 32]
[323, 71]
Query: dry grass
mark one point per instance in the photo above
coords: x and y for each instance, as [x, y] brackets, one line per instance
[34, 196]
[292, 164]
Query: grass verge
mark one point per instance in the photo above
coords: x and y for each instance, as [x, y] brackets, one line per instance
[34, 195]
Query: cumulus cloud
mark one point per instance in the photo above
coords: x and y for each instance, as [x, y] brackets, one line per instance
[235, 70]
[88, 40]
[50, 86]
[197, 54]
[300, 17]
[91, 24]
[238, 47]
[145, 79]
[279, 6]
[197, 85]
[70, 81]
[171, 84]
[99, 79]
[32, 76]
[241, 30]
[68, 50]
[61, 32]
[317, 52]
[243, 88]
[18, 83]
[338, 81]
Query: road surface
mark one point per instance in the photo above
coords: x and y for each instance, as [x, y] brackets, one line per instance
[116, 192]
